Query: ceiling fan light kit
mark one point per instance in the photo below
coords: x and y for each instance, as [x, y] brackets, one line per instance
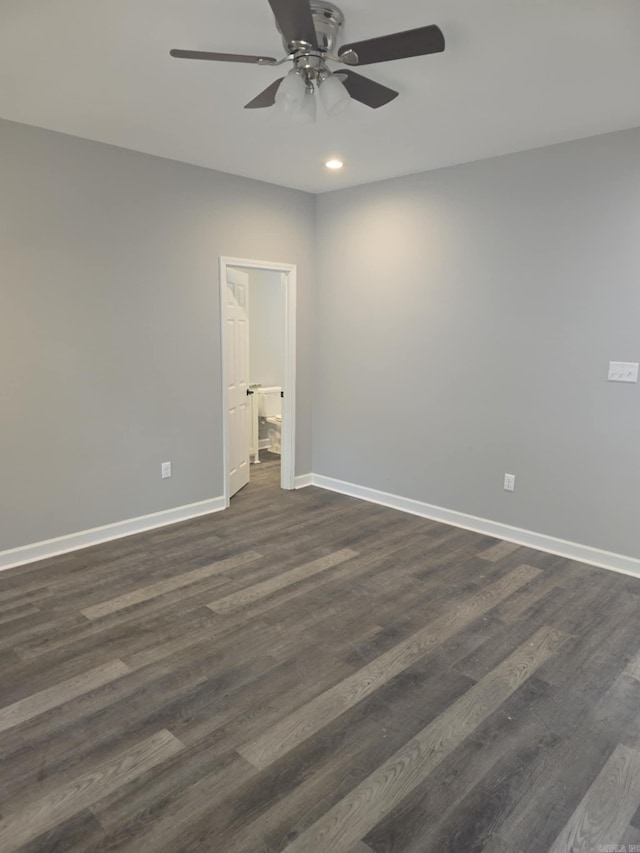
[290, 94]
[309, 30]
[334, 96]
[306, 113]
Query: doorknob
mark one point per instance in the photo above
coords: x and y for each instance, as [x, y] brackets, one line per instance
[249, 392]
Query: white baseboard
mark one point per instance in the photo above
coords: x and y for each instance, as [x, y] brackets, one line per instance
[539, 541]
[87, 538]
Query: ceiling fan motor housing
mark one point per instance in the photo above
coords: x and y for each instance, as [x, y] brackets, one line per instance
[327, 21]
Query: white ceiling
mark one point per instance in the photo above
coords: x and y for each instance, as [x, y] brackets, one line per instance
[516, 74]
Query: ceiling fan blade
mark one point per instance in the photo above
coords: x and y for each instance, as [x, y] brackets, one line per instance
[366, 91]
[295, 20]
[417, 42]
[266, 98]
[223, 57]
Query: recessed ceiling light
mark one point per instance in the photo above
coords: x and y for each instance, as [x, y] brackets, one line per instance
[334, 164]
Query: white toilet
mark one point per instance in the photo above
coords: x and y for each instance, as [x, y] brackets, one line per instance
[270, 408]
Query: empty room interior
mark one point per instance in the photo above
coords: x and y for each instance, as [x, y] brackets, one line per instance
[320, 426]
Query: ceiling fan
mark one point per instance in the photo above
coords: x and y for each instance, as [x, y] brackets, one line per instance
[309, 30]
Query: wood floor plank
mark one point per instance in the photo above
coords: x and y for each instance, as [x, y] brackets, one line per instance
[25, 678]
[233, 602]
[607, 808]
[345, 751]
[630, 841]
[82, 833]
[38, 703]
[50, 749]
[261, 702]
[616, 711]
[169, 585]
[13, 614]
[454, 809]
[545, 585]
[633, 668]
[23, 595]
[42, 815]
[161, 650]
[308, 719]
[181, 807]
[129, 625]
[38, 627]
[28, 746]
[598, 638]
[390, 553]
[137, 803]
[543, 798]
[368, 655]
[499, 551]
[139, 807]
[355, 815]
[589, 720]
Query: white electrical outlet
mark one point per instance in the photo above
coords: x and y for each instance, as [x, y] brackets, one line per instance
[623, 371]
[510, 482]
[166, 470]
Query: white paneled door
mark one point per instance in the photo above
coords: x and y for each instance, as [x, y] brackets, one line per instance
[237, 370]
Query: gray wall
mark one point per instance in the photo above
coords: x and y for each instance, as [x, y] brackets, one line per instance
[109, 327]
[465, 319]
[266, 337]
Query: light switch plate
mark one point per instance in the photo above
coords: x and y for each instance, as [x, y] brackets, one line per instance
[623, 371]
[510, 482]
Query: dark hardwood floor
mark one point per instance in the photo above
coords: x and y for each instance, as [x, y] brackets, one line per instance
[306, 672]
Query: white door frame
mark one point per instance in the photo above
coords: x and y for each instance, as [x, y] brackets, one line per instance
[288, 282]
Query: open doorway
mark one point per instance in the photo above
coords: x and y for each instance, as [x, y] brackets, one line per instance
[258, 304]
[266, 371]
